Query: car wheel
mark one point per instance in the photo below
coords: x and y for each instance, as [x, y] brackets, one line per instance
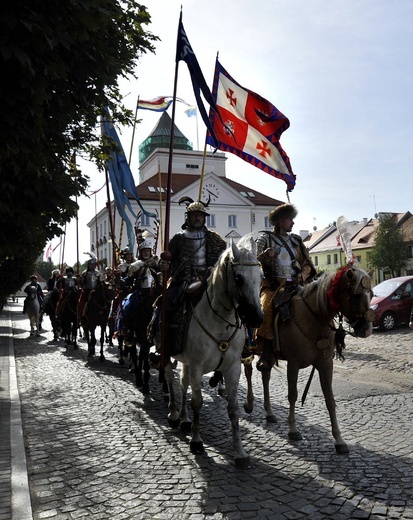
[387, 321]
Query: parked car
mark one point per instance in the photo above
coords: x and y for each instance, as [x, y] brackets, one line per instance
[392, 302]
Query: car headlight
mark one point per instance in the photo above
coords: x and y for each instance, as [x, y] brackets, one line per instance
[374, 307]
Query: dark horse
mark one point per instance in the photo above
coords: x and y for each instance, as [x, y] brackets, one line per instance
[136, 325]
[49, 307]
[96, 315]
[68, 317]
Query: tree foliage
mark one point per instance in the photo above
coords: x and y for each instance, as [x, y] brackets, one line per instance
[60, 62]
[389, 252]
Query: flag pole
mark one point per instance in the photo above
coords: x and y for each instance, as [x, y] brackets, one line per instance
[112, 230]
[201, 179]
[166, 255]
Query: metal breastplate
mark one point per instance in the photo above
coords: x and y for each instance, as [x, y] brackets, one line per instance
[142, 276]
[91, 280]
[284, 265]
[194, 248]
[69, 282]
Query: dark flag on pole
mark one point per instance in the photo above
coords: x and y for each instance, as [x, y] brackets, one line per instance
[184, 52]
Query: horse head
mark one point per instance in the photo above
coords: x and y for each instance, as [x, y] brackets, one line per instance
[351, 294]
[32, 292]
[244, 276]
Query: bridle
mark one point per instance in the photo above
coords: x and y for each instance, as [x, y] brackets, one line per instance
[224, 345]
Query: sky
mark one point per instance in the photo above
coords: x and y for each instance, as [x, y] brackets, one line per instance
[341, 71]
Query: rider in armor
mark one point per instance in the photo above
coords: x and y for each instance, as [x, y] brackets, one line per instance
[286, 265]
[141, 271]
[65, 285]
[89, 280]
[194, 251]
[127, 259]
[141, 275]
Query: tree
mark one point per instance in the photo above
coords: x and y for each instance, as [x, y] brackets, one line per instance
[60, 64]
[389, 252]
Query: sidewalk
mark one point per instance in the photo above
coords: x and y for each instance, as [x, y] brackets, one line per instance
[15, 501]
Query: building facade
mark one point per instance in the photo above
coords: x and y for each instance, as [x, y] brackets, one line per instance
[234, 209]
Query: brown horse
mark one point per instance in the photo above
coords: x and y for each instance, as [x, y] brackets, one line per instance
[96, 315]
[309, 337]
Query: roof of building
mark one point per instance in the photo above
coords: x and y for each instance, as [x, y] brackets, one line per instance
[163, 128]
[331, 241]
[149, 189]
[316, 236]
[365, 237]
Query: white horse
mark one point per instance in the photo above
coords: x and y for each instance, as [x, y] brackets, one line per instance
[215, 339]
[33, 310]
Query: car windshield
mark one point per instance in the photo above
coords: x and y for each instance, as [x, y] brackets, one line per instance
[385, 288]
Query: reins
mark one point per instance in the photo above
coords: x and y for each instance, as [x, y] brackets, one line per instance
[223, 345]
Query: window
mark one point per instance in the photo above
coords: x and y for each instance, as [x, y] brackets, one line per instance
[253, 218]
[145, 220]
[192, 166]
[210, 221]
[409, 251]
[358, 258]
[328, 259]
[232, 221]
[316, 260]
[266, 223]
[335, 258]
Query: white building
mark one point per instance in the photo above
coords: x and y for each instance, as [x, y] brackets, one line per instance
[235, 209]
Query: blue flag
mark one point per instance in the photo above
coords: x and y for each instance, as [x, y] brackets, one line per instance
[122, 180]
[184, 52]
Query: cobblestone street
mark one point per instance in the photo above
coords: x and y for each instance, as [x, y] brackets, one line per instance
[98, 448]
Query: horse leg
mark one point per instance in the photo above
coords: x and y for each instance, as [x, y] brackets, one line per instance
[326, 381]
[221, 388]
[91, 341]
[270, 415]
[242, 460]
[173, 415]
[74, 335]
[196, 445]
[102, 341]
[121, 350]
[292, 378]
[144, 366]
[249, 401]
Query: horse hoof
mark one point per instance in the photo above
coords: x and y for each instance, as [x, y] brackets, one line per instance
[121, 361]
[271, 419]
[222, 392]
[173, 423]
[196, 447]
[295, 436]
[342, 449]
[247, 409]
[243, 463]
[102, 358]
[145, 389]
[186, 426]
[75, 347]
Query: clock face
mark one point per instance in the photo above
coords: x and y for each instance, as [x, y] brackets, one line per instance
[210, 192]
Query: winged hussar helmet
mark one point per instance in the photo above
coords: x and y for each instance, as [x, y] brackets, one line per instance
[192, 206]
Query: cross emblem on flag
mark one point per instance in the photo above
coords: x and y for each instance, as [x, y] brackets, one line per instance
[256, 127]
